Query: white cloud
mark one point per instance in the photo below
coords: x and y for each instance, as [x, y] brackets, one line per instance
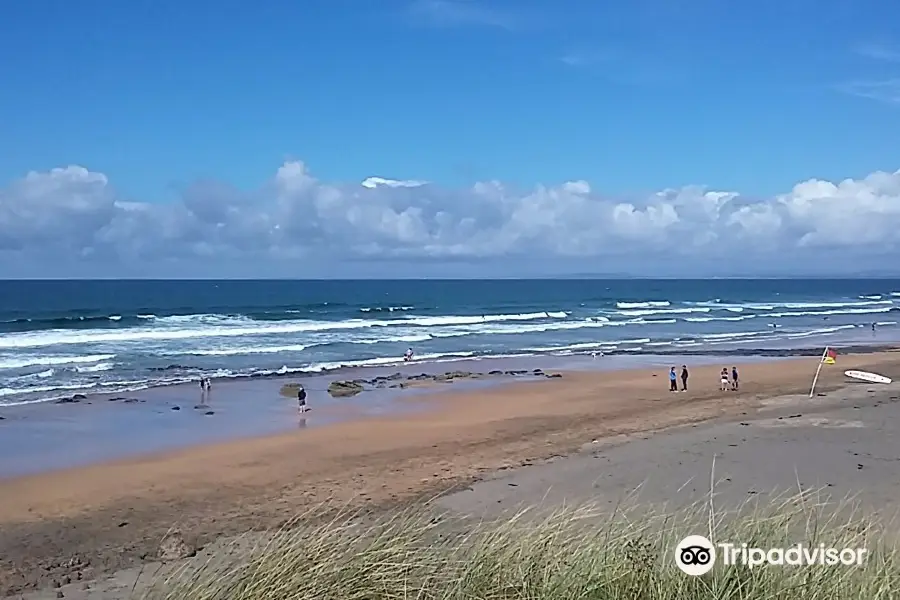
[71, 221]
[374, 182]
[885, 90]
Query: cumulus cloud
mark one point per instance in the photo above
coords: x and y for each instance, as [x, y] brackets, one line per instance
[71, 221]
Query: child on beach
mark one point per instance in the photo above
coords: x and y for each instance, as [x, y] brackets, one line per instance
[724, 379]
[734, 379]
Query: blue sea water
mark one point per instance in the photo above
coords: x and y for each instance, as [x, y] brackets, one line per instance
[63, 337]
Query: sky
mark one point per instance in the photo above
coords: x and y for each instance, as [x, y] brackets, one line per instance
[505, 137]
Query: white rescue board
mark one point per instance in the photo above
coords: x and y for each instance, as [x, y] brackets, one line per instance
[866, 376]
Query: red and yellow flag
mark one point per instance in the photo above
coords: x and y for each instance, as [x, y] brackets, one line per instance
[830, 356]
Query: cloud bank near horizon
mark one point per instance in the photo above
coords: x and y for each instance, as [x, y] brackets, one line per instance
[71, 222]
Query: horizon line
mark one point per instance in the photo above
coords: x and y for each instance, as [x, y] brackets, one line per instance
[528, 278]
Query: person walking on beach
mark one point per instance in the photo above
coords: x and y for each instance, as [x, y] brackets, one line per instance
[684, 378]
[724, 379]
[301, 399]
[673, 380]
[735, 384]
[204, 392]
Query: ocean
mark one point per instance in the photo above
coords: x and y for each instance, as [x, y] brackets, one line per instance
[58, 338]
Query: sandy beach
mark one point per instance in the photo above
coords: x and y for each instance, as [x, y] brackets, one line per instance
[68, 526]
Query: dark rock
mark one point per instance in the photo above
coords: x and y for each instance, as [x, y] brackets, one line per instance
[116, 399]
[71, 400]
[289, 390]
[130, 400]
[79, 397]
[2, 418]
[553, 375]
[209, 412]
[168, 368]
[381, 380]
[176, 408]
[344, 389]
[451, 375]
[537, 372]
[495, 372]
[516, 372]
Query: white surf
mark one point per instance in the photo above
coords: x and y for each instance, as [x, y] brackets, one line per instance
[866, 376]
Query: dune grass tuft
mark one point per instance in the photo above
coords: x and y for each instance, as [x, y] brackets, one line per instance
[580, 552]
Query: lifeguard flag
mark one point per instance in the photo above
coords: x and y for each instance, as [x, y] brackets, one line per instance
[830, 357]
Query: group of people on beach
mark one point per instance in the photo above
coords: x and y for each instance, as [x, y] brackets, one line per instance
[205, 386]
[727, 381]
[673, 379]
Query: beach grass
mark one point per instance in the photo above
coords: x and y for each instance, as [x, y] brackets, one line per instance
[584, 552]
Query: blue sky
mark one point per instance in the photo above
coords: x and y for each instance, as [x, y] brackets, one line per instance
[633, 97]
[657, 93]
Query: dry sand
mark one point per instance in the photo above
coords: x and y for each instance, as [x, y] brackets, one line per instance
[84, 523]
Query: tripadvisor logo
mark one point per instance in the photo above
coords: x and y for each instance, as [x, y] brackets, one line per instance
[696, 555]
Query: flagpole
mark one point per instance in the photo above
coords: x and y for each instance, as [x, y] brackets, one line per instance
[812, 389]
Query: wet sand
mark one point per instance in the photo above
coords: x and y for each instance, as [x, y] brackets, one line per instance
[94, 520]
[98, 428]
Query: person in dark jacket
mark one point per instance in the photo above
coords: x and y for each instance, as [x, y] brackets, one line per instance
[684, 378]
[301, 399]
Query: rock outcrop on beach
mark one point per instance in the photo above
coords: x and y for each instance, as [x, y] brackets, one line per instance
[352, 387]
[289, 390]
[345, 389]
